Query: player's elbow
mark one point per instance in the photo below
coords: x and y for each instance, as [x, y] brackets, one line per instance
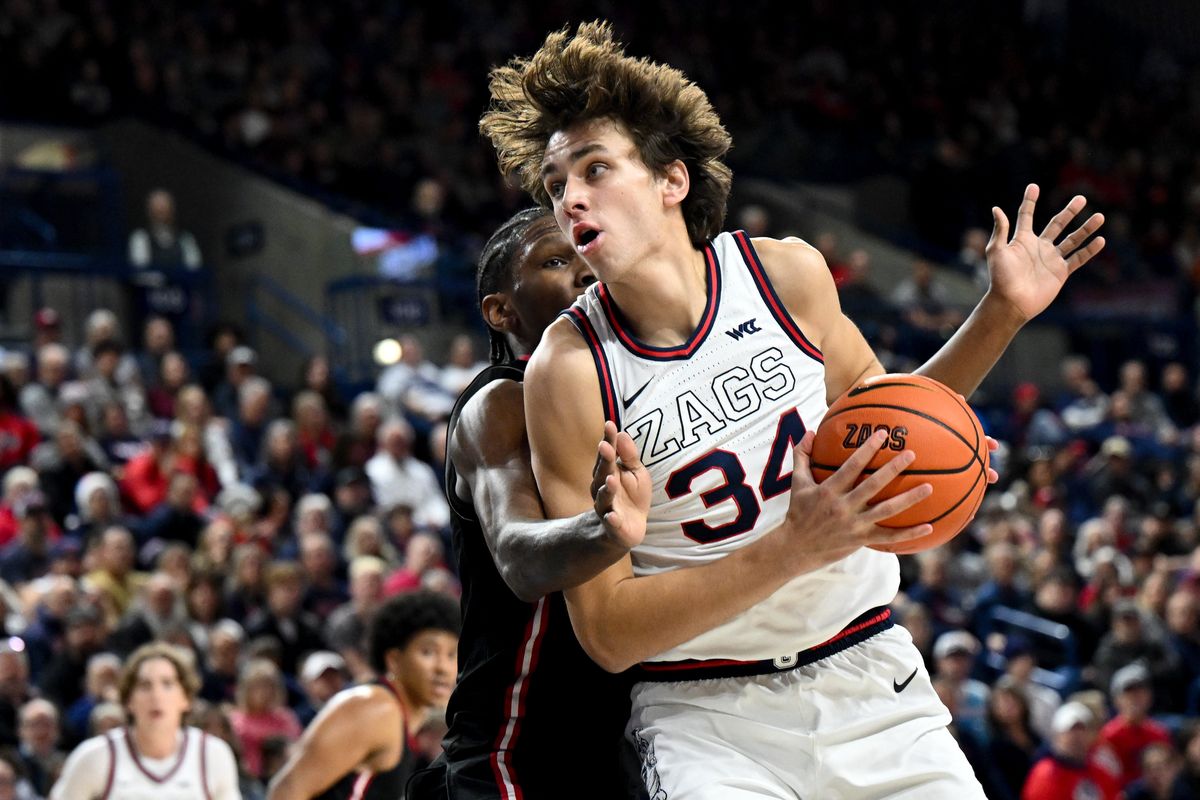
[606, 650]
[516, 571]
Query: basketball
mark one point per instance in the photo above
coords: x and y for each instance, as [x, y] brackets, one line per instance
[928, 418]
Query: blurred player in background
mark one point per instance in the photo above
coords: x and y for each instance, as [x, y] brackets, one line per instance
[156, 757]
[362, 746]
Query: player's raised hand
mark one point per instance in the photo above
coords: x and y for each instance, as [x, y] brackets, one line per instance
[621, 487]
[1028, 270]
[828, 521]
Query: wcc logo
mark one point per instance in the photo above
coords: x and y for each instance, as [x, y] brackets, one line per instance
[745, 329]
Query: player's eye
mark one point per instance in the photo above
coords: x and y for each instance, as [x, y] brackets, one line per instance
[554, 189]
[596, 169]
[555, 263]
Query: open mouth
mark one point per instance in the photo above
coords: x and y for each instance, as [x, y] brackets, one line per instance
[585, 239]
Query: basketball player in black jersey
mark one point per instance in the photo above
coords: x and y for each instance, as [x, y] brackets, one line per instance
[532, 716]
[361, 746]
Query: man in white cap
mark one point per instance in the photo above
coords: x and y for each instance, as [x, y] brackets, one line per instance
[322, 676]
[954, 657]
[1131, 731]
[1067, 772]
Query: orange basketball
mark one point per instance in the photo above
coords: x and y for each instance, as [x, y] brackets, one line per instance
[926, 417]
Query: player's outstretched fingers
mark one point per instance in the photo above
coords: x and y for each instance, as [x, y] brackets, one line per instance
[861, 495]
[1059, 222]
[846, 476]
[1025, 211]
[894, 505]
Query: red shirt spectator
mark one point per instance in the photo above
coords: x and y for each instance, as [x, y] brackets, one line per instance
[1069, 773]
[1131, 731]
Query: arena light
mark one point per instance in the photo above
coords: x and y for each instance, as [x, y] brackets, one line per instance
[387, 352]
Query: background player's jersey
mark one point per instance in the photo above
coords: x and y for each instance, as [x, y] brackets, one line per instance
[715, 420]
[531, 715]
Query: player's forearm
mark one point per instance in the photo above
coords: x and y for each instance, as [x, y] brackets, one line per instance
[640, 617]
[963, 362]
[538, 557]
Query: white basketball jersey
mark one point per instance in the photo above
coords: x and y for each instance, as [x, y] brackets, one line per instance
[715, 420]
[179, 777]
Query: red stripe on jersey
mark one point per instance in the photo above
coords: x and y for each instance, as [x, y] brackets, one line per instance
[608, 389]
[515, 700]
[778, 310]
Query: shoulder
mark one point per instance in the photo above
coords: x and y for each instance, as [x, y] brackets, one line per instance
[559, 357]
[361, 704]
[791, 259]
[216, 749]
[95, 749]
[498, 409]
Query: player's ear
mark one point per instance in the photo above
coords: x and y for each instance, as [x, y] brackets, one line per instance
[675, 182]
[498, 312]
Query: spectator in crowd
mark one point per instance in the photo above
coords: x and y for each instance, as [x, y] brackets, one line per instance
[346, 627]
[1179, 397]
[924, 304]
[352, 500]
[15, 692]
[175, 518]
[158, 339]
[222, 656]
[174, 373]
[314, 432]
[100, 686]
[156, 615]
[1012, 742]
[1131, 731]
[282, 463]
[228, 397]
[321, 677]
[398, 477]
[461, 367]
[1067, 771]
[283, 618]
[28, 556]
[317, 376]
[325, 591]
[83, 637]
[261, 712]
[115, 575]
[1162, 776]
[1130, 641]
[161, 244]
[411, 386]
[933, 590]
[954, 655]
[102, 325]
[356, 445]
[63, 463]
[365, 536]
[18, 482]
[39, 750]
[98, 506]
[13, 784]
[39, 398]
[423, 555]
[1020, 661]
[250, 422]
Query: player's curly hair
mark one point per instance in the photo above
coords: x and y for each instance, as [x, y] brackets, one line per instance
[494, 271]
[402, 617]
[588, 76]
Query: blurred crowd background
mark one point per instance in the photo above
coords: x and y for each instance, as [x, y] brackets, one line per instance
[162, 478]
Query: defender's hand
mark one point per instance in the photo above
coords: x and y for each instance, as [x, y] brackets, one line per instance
[1029, 271]
[621, 487]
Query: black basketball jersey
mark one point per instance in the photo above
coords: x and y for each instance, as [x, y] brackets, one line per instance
[388, 784]
[531, 716]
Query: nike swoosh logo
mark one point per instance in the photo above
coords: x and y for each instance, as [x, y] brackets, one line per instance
[900, 687]
[629, 400]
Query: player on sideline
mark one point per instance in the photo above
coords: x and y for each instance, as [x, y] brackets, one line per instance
[362, 744]
[156, 757]
[524, 679]
[798, 692]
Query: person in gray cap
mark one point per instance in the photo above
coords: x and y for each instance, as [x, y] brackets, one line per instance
[1131, 731]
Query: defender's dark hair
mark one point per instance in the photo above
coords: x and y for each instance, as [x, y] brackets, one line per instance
[494, 272]
[404, 616]
[587, 77]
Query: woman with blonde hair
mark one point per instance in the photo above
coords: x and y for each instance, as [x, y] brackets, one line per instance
[261, 712]
[156, 757]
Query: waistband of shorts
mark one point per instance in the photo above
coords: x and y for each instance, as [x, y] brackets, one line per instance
[860, 629]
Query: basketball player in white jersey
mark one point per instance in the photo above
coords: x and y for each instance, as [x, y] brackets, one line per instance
[156, 757]
[719, 356]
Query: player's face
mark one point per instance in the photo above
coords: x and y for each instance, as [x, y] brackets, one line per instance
[158, 698]
[427, 667]
[610, 205]
[549, 276]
